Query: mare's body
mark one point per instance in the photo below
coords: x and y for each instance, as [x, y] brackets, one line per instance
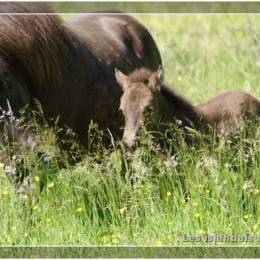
[116, 41]
[72, 78]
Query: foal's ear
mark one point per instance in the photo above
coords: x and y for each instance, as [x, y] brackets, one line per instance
[156, 78]
[159, 73]
[121, 79]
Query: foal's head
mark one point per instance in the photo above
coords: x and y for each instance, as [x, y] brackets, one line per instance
[139, 92]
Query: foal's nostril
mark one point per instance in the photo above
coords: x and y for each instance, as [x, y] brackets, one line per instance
[129, 144]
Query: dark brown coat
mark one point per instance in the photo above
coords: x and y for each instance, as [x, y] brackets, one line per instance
[116, 41]
[60, 66]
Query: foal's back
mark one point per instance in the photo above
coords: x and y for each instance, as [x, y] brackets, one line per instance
[227, 111]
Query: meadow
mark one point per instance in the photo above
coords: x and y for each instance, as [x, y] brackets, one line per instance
[112, 197]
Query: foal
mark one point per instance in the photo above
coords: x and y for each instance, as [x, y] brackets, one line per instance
[228, 111]
[143, 90]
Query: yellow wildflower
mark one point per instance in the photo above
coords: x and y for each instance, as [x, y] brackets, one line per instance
[24, 197]
[115, 241]
[122, 210]
[79, 209]
[183, 200]
[36, 178]
[201, 232]
[168, 194]
[5, 192]
[50, 185]
[179, 78]
[104, 239]
[158, 242]
[246, 216]
[196, 215]
[256, 191]
[8, 239]
[245, 186]
[195, 204]
[207, 191]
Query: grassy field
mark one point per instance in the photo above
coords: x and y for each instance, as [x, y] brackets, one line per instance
[146, 198]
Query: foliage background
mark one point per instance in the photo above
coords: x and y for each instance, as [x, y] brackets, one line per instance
[112, 198]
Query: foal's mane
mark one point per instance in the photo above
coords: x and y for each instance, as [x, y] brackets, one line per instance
[183, 109]
[175, 99]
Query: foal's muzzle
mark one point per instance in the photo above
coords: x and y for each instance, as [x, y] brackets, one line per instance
[129, 143]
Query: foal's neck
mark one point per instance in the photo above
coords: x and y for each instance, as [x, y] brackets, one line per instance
[172, 105]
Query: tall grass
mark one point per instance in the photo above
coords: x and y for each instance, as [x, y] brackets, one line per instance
[155, 195]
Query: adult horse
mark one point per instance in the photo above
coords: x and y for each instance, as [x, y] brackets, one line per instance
[117, 41]
[60, 66]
